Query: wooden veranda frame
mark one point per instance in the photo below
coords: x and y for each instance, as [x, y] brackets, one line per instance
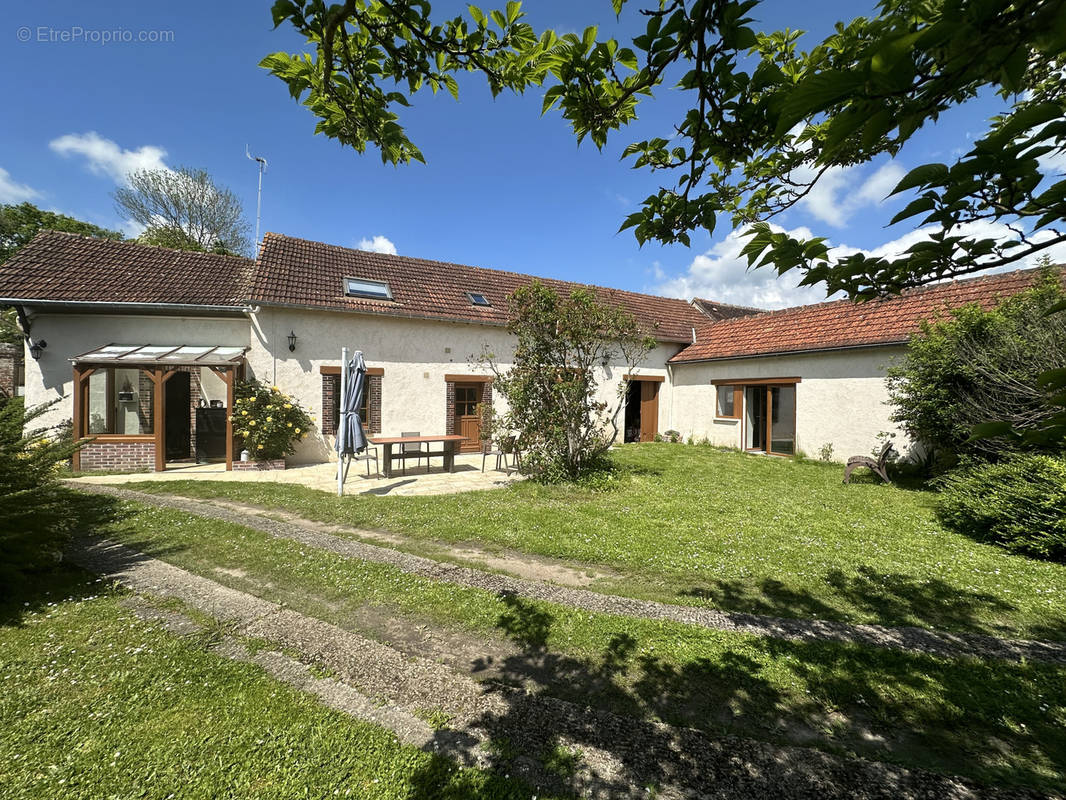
[159, 375]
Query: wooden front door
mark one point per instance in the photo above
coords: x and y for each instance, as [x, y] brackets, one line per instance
[649, 410]
[467, 420]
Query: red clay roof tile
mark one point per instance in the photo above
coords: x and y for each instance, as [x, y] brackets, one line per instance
[304, 273]
[73, 268]
[844, 323]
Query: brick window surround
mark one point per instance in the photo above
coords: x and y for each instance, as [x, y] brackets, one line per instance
[331, 388]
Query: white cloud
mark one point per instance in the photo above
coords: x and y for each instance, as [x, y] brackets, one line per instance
[11, 192]
[378, 244]
[839, 194]
[722, 273]
[105, 157]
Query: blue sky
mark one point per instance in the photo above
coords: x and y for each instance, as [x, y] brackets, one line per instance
[503, 187]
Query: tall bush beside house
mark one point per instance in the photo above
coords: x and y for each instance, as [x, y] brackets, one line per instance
[37, 515]
[269, 422]
[980, 366]
[1019, 503]
[552, 389]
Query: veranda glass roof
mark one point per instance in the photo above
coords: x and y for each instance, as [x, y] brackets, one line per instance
[163, 355]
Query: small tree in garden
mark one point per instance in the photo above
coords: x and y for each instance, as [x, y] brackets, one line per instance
[269, 422]
[551, 387]
[983, 366]
[37, 514]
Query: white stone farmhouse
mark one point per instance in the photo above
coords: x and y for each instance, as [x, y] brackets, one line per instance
[141, 347]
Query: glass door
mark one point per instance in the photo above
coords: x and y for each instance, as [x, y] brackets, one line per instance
[782, 434]
[770, 419]
[755, 417]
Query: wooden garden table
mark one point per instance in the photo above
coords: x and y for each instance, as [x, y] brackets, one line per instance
[449, 443]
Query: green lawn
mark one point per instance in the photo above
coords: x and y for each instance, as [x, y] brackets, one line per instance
[995, 721]
[95, 703]
[700, 526]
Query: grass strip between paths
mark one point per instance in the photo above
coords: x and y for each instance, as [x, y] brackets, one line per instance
[95, 702]
[993, 721]
[696, 526]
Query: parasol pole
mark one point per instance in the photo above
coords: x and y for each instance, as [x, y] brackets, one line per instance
[342, 421]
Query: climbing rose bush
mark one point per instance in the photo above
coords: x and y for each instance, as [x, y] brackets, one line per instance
[269, 422]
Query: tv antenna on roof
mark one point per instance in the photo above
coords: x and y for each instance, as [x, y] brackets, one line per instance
[259, 197]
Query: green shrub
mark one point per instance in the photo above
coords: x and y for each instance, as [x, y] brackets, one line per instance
[37, 514]
[269, 422]
[978, 365]
[1019, 503]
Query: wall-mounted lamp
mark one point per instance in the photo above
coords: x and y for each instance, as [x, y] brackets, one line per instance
[292, 341]
[36, 348]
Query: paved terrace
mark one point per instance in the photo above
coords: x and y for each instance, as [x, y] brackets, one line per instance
[467, 477]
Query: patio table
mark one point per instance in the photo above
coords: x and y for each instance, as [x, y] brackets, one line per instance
[448, 447]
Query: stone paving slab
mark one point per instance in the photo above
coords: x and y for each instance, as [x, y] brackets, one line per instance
[920, 640]
[467, 477]
[620, 756]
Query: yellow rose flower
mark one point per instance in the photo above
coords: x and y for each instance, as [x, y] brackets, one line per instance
[244, 413]
[288, 424]
[288, 405]
[297, 430]
[275, 389]
[260, 447]
[270, 419]
[251, 422]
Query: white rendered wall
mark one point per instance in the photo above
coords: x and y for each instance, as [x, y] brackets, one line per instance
[415, 355]
[842, 398]
[69, 335]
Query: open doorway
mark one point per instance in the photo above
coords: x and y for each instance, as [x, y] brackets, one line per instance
[641, 412]
[770, 419]
[178, 426]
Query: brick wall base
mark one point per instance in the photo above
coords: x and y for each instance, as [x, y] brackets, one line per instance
[118, 456]
[277, 463]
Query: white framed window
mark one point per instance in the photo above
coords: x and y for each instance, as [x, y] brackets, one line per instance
[365, 287]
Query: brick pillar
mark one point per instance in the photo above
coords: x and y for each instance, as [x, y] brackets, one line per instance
[449, 420]
[10, 362]
[374, 404]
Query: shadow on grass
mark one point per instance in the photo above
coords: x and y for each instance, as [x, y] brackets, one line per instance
[34, 571]
[992, 721]
[893, 598]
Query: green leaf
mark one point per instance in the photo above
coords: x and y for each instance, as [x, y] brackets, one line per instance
[476, 14]
[925, 175]
[815, 94]
[923, 203]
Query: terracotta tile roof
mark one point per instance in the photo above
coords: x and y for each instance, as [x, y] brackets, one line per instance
[73, 268]
[304, 273]
[719, 311]
[844, 323]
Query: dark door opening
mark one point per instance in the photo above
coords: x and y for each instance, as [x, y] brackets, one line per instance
[642, 412]
[631, 431]
[177, 424]
[755, 417]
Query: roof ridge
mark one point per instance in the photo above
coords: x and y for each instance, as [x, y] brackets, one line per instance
[132, 243]
[908, 292]
[419, 259]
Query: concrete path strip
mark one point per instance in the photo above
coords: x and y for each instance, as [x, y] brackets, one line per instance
[913, 639]
[619, 756]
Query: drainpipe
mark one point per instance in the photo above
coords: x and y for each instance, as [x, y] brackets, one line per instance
[670, 374]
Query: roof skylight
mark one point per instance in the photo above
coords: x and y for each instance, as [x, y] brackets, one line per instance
[478, 299]
[364, 287]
